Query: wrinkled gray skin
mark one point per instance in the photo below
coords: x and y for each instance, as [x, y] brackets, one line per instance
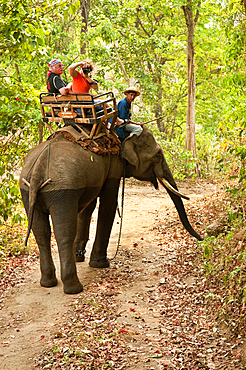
[79, 177]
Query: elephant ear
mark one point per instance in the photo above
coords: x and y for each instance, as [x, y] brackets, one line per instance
[129, 151]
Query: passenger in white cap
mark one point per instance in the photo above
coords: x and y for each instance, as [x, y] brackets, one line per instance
[55, 84]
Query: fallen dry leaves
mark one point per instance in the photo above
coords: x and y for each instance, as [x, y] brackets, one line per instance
[15, 259]
[148, 311]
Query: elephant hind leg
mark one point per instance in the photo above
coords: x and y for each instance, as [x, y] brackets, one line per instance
[42, 232]
[65, 224]
[106, 214]
[83, 230]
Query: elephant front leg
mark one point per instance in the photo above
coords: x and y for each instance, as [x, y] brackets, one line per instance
[83, 230]
[106, 214]
[42, 233]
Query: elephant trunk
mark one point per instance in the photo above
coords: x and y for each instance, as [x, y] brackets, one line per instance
[175, 195]
[182, 214]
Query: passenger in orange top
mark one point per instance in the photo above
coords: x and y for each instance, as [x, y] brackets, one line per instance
[82, 82]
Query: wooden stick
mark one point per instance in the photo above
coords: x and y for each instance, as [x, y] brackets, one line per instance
[49, 127]
[155, 119]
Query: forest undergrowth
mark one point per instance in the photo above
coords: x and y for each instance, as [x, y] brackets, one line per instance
[224, 260]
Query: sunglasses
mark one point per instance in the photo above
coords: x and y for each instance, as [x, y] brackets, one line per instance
[59, 65]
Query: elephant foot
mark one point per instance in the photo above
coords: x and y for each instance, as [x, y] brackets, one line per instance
[48, 282]
[80, 256]
[73, 288]
[99, 263]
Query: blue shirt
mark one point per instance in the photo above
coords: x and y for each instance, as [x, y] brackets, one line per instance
[124, 109]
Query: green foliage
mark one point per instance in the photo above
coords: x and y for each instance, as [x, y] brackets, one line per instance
[9, 195]
[19, 108]
[19, 117]
[11, 155]
[233, 87]
[209, 152]
[22, 27]
[11, 245]
[25, 25]
[210, 245]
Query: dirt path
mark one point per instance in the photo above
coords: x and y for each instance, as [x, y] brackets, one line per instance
[158, 303]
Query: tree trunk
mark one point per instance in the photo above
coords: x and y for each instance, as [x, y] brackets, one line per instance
[17, 72]
[244, 3]
[122, 66]
[190, 138]
[85, 8]
[175, 110]
[158, 109]
[40, 132]
[158, 105]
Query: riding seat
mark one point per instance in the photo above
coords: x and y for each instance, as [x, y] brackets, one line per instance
[97, 113]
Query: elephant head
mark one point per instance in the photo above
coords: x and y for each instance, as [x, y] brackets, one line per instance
[146, 162]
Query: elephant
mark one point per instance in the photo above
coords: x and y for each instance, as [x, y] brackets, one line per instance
[64, 180]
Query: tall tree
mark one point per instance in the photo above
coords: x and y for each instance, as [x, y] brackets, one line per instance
[85, 8]
[244, 3]
[191, 20]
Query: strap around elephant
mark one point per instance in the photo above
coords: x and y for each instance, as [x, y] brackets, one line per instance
[121, 214]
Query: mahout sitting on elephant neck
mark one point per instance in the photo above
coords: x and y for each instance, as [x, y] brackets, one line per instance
[78, 178]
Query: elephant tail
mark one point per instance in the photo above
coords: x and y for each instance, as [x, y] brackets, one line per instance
[37, 182]
[36, 173]
[32, 200]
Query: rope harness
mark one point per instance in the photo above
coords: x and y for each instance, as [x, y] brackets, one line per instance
[121, 214]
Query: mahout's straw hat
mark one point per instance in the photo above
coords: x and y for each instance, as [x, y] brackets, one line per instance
[132, 89]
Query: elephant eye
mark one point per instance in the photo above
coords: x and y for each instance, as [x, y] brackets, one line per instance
[157, 157]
